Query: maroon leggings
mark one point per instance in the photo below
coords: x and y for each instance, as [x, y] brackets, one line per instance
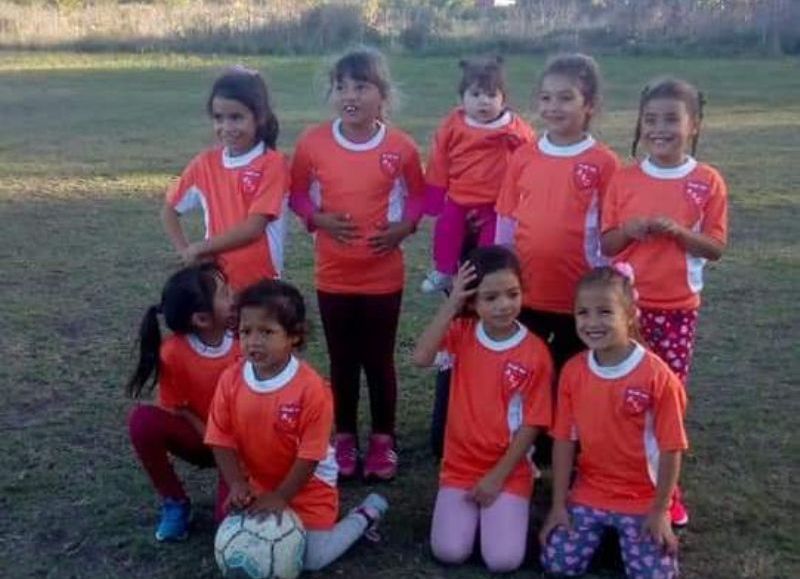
[360, 331]
[155, 434]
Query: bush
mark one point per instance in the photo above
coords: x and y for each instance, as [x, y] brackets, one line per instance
[331, 27]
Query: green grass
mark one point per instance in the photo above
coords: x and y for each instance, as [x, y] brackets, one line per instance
[88, 144]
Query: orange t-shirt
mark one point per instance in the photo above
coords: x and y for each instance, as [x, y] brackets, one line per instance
[369, 181]
[554, 194]
[271, 423]
[623, 417]
[188, 371]
[228, 190]
[469, 159]
[693, 195]
[496, 387]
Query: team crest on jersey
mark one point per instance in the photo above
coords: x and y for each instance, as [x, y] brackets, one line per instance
[390, 164]
[249, 180]
[636, 401]
[288, 417]
[697, 192]
[514, 376]
[586, 176]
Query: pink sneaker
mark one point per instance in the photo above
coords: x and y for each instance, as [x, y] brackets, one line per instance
[346, 447]
[381, 461]
[678, 514]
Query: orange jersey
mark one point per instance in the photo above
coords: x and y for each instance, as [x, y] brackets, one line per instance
[469, 159]
[188, 371]
[371, 182]
[228, 190]
[496, 387]
[271, 423]
[623, 417]
[554, 194]
[694, 196]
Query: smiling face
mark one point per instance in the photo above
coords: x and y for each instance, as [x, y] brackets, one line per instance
[604, 321]
[264, 341]
[235, 125]
[359, 104]
[483, 106]
[497, 302]
[667, 129]
[563, 108]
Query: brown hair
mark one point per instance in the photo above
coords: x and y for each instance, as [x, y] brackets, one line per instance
[581, 69]
[615, 280]
[487, 73]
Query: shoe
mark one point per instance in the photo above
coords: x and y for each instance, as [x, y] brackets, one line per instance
[372, 508]
[346, 447]
[175, 519]
[436, 281]
[381, 461]
[678, 514]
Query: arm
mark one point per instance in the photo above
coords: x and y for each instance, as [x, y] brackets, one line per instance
[657, 523]
[696, 243]
[276, 501]
[489, 487]
[563, 458]
[241, 234]
[172, 226]
[615, 240]
[240, 495]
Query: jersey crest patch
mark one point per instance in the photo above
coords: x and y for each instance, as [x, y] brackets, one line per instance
[636, 401]
[586, 176]
[390, 164]
[288, 417]
[514, 376]
[249, 180]
[697, 192]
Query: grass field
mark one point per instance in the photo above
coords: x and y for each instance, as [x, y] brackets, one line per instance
[88, 144]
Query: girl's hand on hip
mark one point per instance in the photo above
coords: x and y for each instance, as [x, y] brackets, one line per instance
[659, 527]
[340, 226]
[390, 235]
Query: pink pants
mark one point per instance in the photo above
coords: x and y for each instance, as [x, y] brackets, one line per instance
[157, 433]
[670, 335]
[451, 228]
[503, 529]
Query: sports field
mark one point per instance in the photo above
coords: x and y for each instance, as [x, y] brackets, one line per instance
[87, 146]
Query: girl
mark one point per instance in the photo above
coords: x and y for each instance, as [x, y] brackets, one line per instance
[625, 407]
[270, 427]
[500, 400]
[358, 183]
[241, 185]
[468, 159]
[666, 216]
[197, 308]
[549, 203]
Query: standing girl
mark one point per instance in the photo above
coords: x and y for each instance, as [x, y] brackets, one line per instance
[549, 202]
[241, 185]
[625, 407]
[500, 400]
[468, 159]
[666, 216]
[270, 427]
[197, 308]
[358, 182]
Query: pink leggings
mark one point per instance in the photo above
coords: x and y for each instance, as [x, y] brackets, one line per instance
[503, 529]
[155, 434]
[451, 228]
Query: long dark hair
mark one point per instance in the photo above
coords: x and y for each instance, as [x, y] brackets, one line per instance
[187, 292]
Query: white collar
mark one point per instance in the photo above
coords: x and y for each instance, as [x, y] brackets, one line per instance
[678, 172]
[500, 345]
[206, 351]
[376, 140]
[277, 382]
[619, 370]
[547, 147]
[236, 161]
[498, 123]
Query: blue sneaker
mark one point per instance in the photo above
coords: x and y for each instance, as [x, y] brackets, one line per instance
[174, 524]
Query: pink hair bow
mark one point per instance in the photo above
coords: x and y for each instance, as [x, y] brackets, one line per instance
[625, 269]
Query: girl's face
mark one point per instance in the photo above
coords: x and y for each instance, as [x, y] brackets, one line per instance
[667, 129]
[603, 322]
[359, 103]
[482, 106]
[497, 302]
[264, 341]
[235, 125]
[563, 108]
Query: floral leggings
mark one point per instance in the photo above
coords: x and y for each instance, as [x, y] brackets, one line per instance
[570, 552]
[670, 335]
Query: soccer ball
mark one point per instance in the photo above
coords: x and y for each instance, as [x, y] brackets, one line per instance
[251, 547]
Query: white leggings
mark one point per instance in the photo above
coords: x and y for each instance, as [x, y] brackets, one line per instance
[324, 547]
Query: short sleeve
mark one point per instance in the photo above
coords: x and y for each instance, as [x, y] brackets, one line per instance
[272, 190]
[437, 172]
[715, 215]
[564, 427]
[610, 212]
[316, 425]
[669, 408]
[538, 396]
[184, 195]
[170, 379]
[302, 167]
[219, 429]
[508, 198]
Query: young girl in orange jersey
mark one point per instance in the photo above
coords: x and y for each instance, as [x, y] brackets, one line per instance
[666, 216]
[241, 185]
[548, 207]
[500, 399]
[358, 182]
[270, 426]
[625, 407]
[197, 308]
[467, 162]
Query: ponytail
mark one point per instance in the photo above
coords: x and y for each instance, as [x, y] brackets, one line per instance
[149, 342]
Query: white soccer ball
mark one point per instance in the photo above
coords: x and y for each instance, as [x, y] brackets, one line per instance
[250, 547]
